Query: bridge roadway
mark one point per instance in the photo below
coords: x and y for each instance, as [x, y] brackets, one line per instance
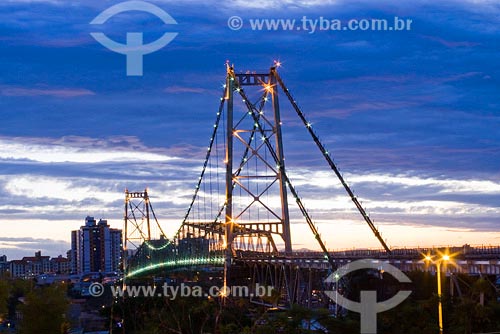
[475, 260]
[466, 259]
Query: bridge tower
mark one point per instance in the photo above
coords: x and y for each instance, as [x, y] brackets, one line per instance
[255, 163]
[239, 213]
[249, 209]
[137, 223]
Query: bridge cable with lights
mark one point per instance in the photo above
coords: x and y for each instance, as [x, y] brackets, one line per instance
[240, 202]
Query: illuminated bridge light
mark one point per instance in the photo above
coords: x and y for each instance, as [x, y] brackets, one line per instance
[167, 243]
[218, 260]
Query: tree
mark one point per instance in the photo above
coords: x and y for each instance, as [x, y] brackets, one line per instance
[4, 297]
[44, 310]
[481, 287]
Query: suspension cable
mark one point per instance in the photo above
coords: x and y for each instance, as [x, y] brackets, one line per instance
[254, 114]
[205, 164]
[326, 154]
[162, 234]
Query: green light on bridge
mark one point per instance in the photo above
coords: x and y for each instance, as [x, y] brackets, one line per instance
[176, 263]
[150, 246]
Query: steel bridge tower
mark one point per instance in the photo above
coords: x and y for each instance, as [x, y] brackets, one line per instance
[137, 222]
[244, 131]
[239, 212]
[254, 213]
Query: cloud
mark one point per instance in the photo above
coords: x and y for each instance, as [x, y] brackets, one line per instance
[423, 152]
[62, 92]
[452, 44]
[266, 4]
[181, 89]
[406, 199]
[46, 187]
[63, 178]
[27, 240]
[469, 186]
[75, 150]
[343, 112]
[18, 247]
[39, 192]
[54, 2]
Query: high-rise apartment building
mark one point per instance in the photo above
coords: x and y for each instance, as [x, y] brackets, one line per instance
[95, 247]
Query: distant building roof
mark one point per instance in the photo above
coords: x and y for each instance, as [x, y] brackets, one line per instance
[35, 258]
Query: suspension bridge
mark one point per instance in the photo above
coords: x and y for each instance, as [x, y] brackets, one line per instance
[239, 217]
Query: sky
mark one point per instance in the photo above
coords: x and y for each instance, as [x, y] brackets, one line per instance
[411, 117]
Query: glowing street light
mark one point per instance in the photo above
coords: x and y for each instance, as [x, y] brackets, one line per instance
[438, 262]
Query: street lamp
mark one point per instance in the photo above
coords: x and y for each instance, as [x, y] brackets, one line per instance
[438, 262]
[337, 276]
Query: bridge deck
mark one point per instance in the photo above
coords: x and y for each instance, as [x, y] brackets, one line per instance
[466, 259]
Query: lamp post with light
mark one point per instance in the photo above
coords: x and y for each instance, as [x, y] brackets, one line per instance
[336, 295]
[444, 258]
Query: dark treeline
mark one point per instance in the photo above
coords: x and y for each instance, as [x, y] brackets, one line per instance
[470, 306]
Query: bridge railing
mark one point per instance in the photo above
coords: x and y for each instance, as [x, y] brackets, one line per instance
[465, 251]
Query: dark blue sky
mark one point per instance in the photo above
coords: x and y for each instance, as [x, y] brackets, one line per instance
[412, 117]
